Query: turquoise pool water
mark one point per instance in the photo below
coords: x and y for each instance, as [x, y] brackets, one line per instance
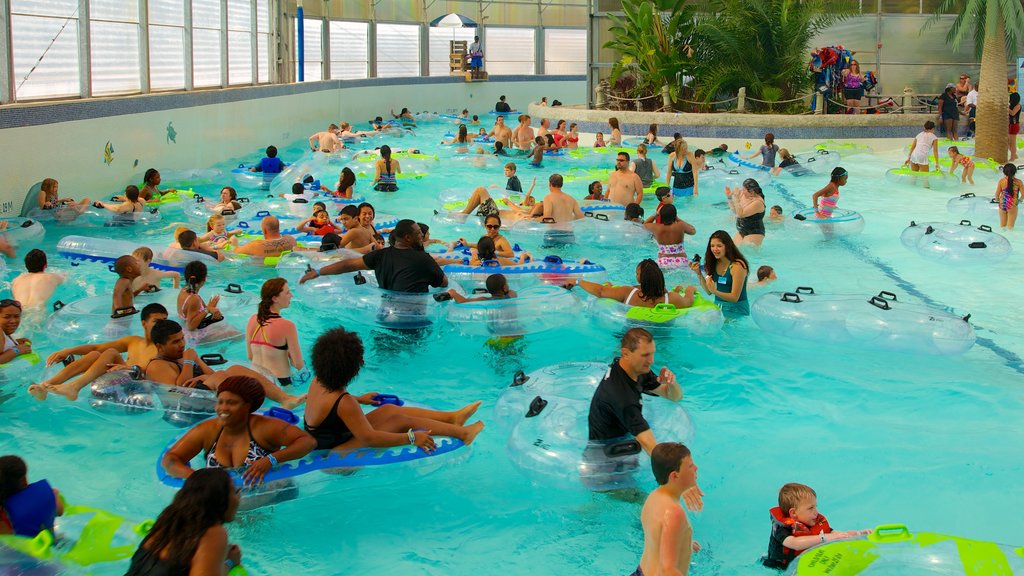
[928, 441]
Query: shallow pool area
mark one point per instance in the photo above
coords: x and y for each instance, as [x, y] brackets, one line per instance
[929, 441]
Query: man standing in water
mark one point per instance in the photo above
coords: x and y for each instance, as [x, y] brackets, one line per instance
[624, 186]
[501, 132]
[326, 141]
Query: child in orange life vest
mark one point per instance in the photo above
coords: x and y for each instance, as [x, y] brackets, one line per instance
[797, 526]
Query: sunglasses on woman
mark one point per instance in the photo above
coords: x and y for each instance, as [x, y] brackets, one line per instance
[492, 226]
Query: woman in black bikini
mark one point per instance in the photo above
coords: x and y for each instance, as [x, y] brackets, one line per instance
[340, 422]
[238, 438]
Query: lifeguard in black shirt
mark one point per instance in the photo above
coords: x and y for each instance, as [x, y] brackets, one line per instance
[616, 410]
[404, 267]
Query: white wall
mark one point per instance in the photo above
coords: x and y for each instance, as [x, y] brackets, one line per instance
[72, 151]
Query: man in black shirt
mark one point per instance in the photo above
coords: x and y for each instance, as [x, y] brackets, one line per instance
[616, 410]
[502, 106]
[404, 267]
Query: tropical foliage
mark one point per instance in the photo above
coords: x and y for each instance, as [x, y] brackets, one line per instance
[995, 26]
[652, 39]
[762, 45]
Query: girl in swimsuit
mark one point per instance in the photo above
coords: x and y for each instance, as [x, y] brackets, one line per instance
[182, 540]
[747, 203]
[334, 418]
[485, 252]
[217, 234]
[273, 342]
[238, 438]
[151, 190]
[681, 174]
[387, 170]
[48, 198]
[669, 234]
[616, 136]
[1008, 193]
[346, 184]
[825, 200]
[130, 205]
[724, 274]
[649, 292]
[958, 160]
[573, 137]
[196, 315]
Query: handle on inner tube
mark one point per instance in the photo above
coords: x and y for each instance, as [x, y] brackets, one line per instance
[263, 213]
[227, 212]
[547, 220]
[665, 307]
[965, 223]
[388, 399]
[123, 312]
[242, 200]
[519, 378]
[243, 224]
[537, 405]
[300, 201]
[359, 279]
[804, 290]
[977, 245]
[198, 198]
[790, 297]
[985, 228]
[799, 217]
[233, 288]
[213, 359]
[968, 195]
[588, 214]
[602, 217]
[57, 305]
[479, 290]
[624, 448]
[887, 295]
[890, 533]
[490, 263]
[880, 303]
[553, 259]
[282, 414]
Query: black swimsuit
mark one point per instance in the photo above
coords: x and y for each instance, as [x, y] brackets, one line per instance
[332, 431]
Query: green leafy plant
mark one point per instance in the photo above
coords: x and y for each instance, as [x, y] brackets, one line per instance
[763, 45]
[652, 38]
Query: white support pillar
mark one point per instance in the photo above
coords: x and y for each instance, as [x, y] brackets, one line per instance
[223, 43]
[187, 46]
[6, 55]
[84, 54]
[144, 46]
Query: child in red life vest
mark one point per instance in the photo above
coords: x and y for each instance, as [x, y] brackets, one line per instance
[797, 526]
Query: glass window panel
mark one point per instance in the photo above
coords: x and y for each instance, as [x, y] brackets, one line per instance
[239, 15]
[398, 50]
[262, 16]
[115, 57]
[62, 8]
[514, 51]
[206, 14]
[439, 48]
[166, 57]
[263, 57]
[313, 46]
[118, 10]
[205, 58]
[167, 12]
[565, 51]
[239, 57]
[349, 52]
[57, 73]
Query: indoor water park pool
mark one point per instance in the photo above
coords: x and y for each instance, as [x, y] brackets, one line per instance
[889, 419]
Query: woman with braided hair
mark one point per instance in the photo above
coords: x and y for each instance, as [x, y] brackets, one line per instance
[273, 342]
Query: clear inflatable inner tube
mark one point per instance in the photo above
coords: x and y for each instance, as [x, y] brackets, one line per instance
[936, 179]
[244, 175]
[892, 549]
[299, 262]
[819, 162]
[549, 232]
[311, 166]
[547, 413]
[704, 317]
[107, 251]
[879, 322]
[718, 176]
[22, 230]
[956, 244]
[970, 205]
[842, 222]
[534, 309]
[361, 300]
[91, 216]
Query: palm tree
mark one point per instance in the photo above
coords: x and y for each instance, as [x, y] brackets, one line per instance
[995, 25]
[762, 45]
[652, 40]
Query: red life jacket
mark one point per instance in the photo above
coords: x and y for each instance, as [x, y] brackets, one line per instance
[779, 556]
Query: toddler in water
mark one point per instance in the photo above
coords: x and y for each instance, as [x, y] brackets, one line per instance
[775, 214]
[218, 235]
[150, 276]
[959, 159]
[797, 526]
[765, 275]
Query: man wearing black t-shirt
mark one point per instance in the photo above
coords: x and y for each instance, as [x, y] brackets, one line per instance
[404, 267]
[616, 410]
